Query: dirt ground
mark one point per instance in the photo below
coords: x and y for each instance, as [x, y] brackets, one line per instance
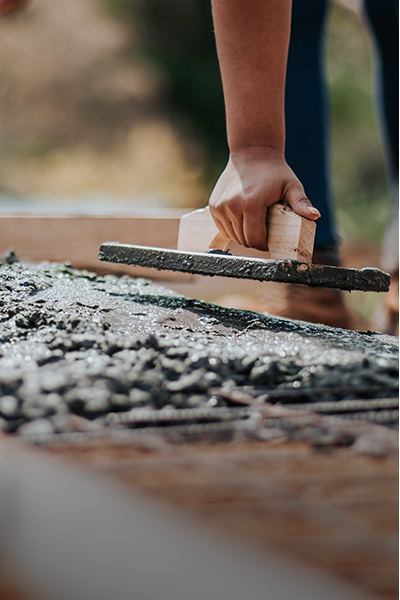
[334, 510]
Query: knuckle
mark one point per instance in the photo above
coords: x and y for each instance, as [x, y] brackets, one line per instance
[235, 206]
[215, 208]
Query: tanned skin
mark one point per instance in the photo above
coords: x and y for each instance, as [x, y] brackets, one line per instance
[9, 7]
[252, 43]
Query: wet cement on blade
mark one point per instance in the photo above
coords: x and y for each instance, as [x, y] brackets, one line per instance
[282, 271]
[78, 349]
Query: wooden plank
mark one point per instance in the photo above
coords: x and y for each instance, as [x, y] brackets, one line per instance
[196, 230]
[289, 235]
[77, 238]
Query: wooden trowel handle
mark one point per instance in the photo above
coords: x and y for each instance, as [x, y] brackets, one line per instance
[290, 236]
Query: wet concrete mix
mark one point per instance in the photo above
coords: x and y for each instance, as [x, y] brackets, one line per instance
[82, 352]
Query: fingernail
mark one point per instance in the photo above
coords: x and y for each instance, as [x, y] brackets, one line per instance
[314, 211]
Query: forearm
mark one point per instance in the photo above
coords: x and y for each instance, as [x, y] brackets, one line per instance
[252, 43]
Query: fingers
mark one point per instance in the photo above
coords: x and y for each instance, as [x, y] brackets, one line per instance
[237, 226]
[229, 219]
[248, 227]
[296, 198]
[245, 227]
[255, 230]
[226, 227]
[251, 232]
[244, 192]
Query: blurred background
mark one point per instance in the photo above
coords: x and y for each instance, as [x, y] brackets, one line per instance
[120, 101]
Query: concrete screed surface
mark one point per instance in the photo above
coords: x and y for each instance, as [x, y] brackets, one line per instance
[91, 366]
[78, 346]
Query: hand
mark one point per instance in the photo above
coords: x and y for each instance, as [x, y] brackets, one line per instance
[253, 180]
[7, 7]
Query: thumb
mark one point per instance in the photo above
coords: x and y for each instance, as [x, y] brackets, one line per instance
[297, 199]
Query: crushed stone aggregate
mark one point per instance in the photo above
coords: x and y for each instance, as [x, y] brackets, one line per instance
[77, 348]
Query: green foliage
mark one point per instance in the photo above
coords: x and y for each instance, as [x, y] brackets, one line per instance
[358, 163]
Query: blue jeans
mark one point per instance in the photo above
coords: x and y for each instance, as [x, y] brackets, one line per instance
[307, 107]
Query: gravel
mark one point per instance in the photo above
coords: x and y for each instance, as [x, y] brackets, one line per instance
[76, 348]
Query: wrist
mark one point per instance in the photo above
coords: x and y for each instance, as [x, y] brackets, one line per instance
[257, 152]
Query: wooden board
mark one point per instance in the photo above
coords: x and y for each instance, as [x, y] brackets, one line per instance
[77, 239]
[289, 235]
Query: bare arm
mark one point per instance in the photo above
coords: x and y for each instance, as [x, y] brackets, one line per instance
[252, 44]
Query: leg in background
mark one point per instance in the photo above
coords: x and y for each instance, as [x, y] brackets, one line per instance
[306, 110]
[383, 17]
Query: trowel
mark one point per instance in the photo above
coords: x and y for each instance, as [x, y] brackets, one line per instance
[202, 249]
